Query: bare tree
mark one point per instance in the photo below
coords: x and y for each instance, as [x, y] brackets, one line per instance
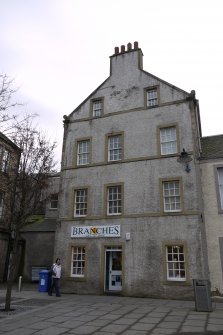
[9, 119]
[36, 163]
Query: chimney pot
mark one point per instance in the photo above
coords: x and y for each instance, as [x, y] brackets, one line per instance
[136, 45]
[129, 46]
[122, 48]
[116, 50]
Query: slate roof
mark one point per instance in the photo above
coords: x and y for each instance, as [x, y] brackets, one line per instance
[212, 147]
[44, 225]
[7, 140]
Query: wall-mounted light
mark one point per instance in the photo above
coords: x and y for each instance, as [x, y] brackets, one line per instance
[185, 158]
[127, 236]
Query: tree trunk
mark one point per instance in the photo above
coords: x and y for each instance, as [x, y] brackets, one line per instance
[12, 267]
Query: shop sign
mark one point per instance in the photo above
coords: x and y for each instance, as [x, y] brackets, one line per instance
[96, 231]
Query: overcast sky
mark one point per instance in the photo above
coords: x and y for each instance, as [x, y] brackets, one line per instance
[58, 51]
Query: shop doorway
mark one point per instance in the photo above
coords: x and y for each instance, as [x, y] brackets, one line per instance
[113, 269]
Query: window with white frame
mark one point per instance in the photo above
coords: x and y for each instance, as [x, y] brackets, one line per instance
[152, 97]
[171, 196]
[97, 108]
[78, 258]
[175, 263]
[83, 152]
[5, 157]
[114, 200]
[54, 201]
[114, 148]
[1, 204]
[220, 185]
[168, 141]
[80, 206]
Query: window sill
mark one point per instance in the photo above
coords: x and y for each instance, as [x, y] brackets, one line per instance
[150, 107]
[176, 283]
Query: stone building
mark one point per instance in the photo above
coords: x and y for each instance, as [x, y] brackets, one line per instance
[39, 234]
[9, 160]
[211, 165]
[130, 208]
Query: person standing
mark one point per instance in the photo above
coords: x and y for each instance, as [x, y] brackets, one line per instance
[56, 269]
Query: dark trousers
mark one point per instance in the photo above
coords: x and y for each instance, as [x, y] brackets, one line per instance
[56, 285]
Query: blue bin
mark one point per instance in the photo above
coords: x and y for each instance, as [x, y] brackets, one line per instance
[44, 280]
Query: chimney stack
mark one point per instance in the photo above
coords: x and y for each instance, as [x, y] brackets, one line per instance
[136, 45]
[116, 50]
[122, 48]
[129, 48]
[131, 57]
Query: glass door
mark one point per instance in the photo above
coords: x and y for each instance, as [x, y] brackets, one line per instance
[113, 278]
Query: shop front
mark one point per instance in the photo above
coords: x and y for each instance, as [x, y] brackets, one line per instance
[100, 240]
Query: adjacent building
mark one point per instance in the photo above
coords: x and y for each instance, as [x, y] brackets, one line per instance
[39, 234]
[9, 162]
[130, 212]
[211, 165]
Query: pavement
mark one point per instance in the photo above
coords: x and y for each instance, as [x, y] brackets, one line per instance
[37, 313]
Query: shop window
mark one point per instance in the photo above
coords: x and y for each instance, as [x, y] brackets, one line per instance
[78, 262]
[175, 263]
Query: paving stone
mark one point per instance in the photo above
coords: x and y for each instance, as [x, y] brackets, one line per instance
[174, 318]
[193, 322]
[177, 312]
[163, 331]
[84, 330]
[114, 328]
[217, 314]
[98, 323]
[150, 319]
[109, 317]
[215, 321]
[98, 313]
[71, 324]
[212, 327]
[169, 325]
[135, 315]
[157, 314]
[48, 314]
[192, 329]
[142, 326]
[85, 318]
[52, 331]
[59, 319]
[197, 316]
[21, 331]
[161, 309]
[124, 321]
[41, 325]
[133, 332]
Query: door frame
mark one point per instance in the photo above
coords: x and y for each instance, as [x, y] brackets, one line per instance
[107, 267]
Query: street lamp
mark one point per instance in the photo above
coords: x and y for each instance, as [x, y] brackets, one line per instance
[184, 158]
